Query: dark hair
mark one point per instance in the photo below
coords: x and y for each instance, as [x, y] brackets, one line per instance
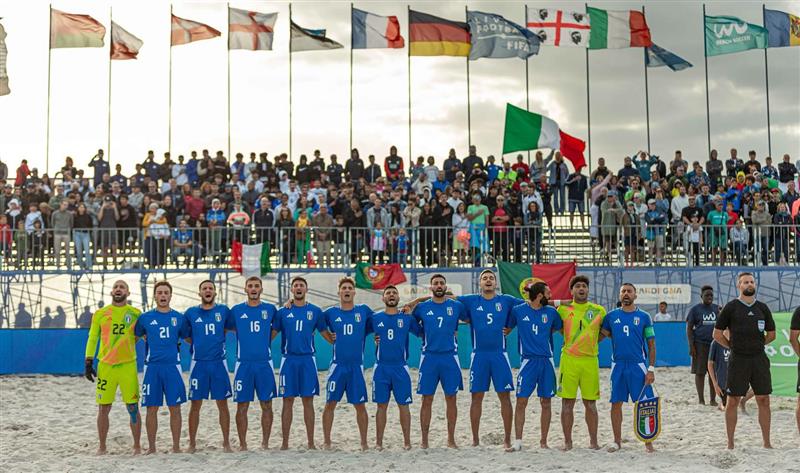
[390, 286]
[578, 278]
[438, 275]
[345, 280]
[205, 281]
[535, 289]
[298, 278]
[706, 288]
[251, 278]
[162, 283]
[487, 271]
[743, 274]
[628, 284]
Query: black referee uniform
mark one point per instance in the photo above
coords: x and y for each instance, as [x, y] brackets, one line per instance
[795, 325]
[749, 365]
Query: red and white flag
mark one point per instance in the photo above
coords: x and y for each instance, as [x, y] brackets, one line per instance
[4, 90]
[123, 44]
[559, 27]
[251, 30]
[187, 31]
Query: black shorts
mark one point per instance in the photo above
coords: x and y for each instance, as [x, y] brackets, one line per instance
[700, 359]
[745, 372]
[798, 376]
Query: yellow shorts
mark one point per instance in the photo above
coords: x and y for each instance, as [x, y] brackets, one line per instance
[579, 372]
[110, 376]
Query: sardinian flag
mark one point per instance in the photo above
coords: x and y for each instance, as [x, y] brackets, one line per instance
[559, 27]
[123, 44]
[251, 30]
[187, 31]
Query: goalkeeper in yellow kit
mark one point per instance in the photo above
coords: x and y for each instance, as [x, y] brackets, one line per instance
[113, 327]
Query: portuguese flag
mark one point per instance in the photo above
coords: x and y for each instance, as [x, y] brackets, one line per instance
[378, 276]
[515, 277]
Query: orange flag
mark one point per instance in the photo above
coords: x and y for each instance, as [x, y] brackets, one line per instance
[187, 31]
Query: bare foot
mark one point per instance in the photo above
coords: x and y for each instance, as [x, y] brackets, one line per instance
[649, 447]
[730, 445]
[768, 445]
[364, 447]
[150, 451]
[326, 446]
[226, 447]
[614, 448]
[137, 450]
[192, 448]
[567, 447]
[721, 408]
[101, 451]
[594, 446]
[243, 447]
[312, 446]
[284, 445]
[378, 447]
[423, 445]
[176, 450]
[543, 444]
[407, 446]
[515, 447]
[476, 443]
[264, 445]
[451, 444]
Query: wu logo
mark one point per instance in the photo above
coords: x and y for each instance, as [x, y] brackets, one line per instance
[722, 31]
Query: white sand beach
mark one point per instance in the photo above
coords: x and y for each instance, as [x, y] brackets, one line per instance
[47, 423]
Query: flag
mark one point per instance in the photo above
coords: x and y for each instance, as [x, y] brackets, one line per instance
[68, 30]
[375, 31]
[618, 29]
[516, 277]
[658, 56]
[4, 90]
[783, 361]
[123, 44]
[526, 130]
[250, 29]
[250, 260]
[187, 31]
[378, 276]
[433, 36]
[728, 34]
[560, 28]
[783, 28]
[310, 40]
[495, 37]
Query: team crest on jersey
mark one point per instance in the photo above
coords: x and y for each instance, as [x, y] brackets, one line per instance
[636, 321]
[589, 314]
[309, 315]
[218, 317]
[399, 323]
[174, 321]
[127, 318]
[544, 318]
[498, 306]
[449, 311]
[358, 318]
[264, 315]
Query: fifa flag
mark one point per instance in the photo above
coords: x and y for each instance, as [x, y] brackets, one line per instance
[310, 40]
[515, 278]
[251, 30]
[123, 44]
[433, 36]
[4, 90]
[250, 260]
[69, 30]
[658, 56]
[618, 29]
[374, 31]
[728, 34]
[526, 130]
[559, 27]
[378, 276]
[187, 31]
[493, 36]
[783, 28]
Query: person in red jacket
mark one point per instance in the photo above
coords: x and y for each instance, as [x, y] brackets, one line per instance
[22, 173]
[393, 165]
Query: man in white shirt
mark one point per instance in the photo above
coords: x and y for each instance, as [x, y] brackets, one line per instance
[662, 315]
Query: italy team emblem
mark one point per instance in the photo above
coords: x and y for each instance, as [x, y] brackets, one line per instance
[498, 306]
[647, 418]
[127, 318]
[174, 321]
[399, 323]
[310, 315]
[636, 321]
[218, 317]
[358, 318]
[264, 315]
[449, 311]
[589, 314]
[544, 318]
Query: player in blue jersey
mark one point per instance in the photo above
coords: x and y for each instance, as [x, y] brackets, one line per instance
[535, 322]
[254, 373]
[391, 375]
[208, 375]
[162, 329]
[487, 314]
[348, 325]
[298, 372]
[439, 318]
[633, 339]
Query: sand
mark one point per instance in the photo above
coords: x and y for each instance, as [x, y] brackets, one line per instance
[47, 423]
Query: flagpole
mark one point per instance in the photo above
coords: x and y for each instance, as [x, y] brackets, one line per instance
[290, 81]
[169, 126]
[527, 81]
[110, 47]
[408, 28]
[766, 83]
[588, 107]
[469, 108]
[351, 76]
[49, 60]
[230, 157]
[646, 95]
[705, 58]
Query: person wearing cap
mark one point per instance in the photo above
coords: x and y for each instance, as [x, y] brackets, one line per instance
[656, 221]
[718, 228]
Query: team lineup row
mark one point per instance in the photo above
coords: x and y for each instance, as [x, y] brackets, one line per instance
[435, 319]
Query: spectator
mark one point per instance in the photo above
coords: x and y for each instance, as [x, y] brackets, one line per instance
[302, 223]
[183, 245]
[478, 215]
[533, 219]
[577, 186]
[432, 171]
[714, 168]
[610, 216]
[354, 167]
[372, 172]
[631, 230]
[264, 221]
[452, 166]
[393, 164]
[239, 222]
[285, 227]
[356, 220]
[782, 221]
[6, 241]
[471, 160]
[215, 219]
[21, 245]
[38, 238]
[426, 235]
[62, 222]
[156, 231]
[499, 230]
[662, 315]
[739, 238]
[733, 164]
[694, 237]
[323, 225]
[107, 219]
[83, 227]
[718, 227]
[656, 221]
[378, 243]
[762, 220]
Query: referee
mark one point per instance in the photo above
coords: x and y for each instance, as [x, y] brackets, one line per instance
[751, 327]
[794, 339]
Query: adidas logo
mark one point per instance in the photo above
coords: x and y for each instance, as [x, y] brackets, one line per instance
[430, 312]
[362, 399]
[154, 323]
[178, 400]
[750, 313]
[338, 319]
[617, 321]
[380, 324]
[228, 393]
[244, 316]
[508, 386]
[290, 316]
[409, 399]
[199, 320]
[480, 308]
[526, 319]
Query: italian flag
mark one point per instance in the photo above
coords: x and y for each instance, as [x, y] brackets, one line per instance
[70, 30]
[647, 425]
[378, 276]
[525, 130]
[618, 29]
[250, 260]
[516, 277]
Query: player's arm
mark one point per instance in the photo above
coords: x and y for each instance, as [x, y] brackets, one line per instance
[91, 348]
[719, 337]
[328, 335]
[410, 306]
[723, 322]
[769, 327]
[651, 357]
[690, 333]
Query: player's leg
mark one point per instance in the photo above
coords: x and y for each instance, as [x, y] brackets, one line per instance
[136, 426]
[241, 424]
[357, 395]
[381, 388]
[401, 386]
[619, 394]
[102, 426]
[225, 424]
[199, 389]
[424, 419]
[105, 391]
[616, 425]
[546, 389]
[327, 423]
[266, 423]
[308, 418]
[151, 424]
[507, 413]
[286, 421]
[175, 422]
[426, 387]
[380, 424]
[503, 381]
[452, 416]
[590, 392]
[567, 419]
[266, 390]
[479, 379]
[544, 423]
[761, 382]
[175, 392]
[243, 395]
[452, 382]
[475, 412]
[525, 386]
[362, 419]
[764, 418]
[568, 381]
[128, 378]
[731, 417]
[220, 392]
[194, 422]
[334, 390]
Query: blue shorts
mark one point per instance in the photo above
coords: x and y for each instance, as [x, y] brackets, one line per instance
[435, 368]
[387, 379]
[578, 205]
[539, 374]
[209, 380]
[160, 381]
[298, 376]
[486, 366]
[346, 378]
[251, 378]
[627, 381]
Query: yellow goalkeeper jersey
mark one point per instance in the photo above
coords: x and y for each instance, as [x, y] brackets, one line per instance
[581, 327]
[113, 327]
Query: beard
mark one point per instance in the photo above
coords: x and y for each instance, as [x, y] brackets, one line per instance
[749, 292]
[626, 301]
[392, 303]
[545, 301]
[119, 297]
[439, 292]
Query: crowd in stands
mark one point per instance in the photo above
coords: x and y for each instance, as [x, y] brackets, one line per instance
[458, 211]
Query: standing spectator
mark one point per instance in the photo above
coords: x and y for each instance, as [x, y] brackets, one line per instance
[83, 227]
[302, 224]
[478, 215]
[158, 234]
[656, 222]
[610, 216]
[522, 169]
[762, 220]
[740, 237]
[21, 244]
[239, 222]
[533, 219]
[782, 221]
[499, 230]
[539, 166]
[472, 159]
[23, 171]
[378, 243]
[356, 220]
[62, 222]
[718, 228]
[354, 167]
[546, 195]
[694, 237]
[426, 235]
[339, 240]
[286, 233]
[662, 315]
[460, 228]
[317, 166]
[769, 171]
[6, 240]
[373, 171]
[643, 164]
[577, 185]
[215, 219]
[38, 237]
[323, 226]
[264, 221]
[3, 171]
[786, 170]
[100, 166]
[752, 165]
[452, 166]
[714, 168]
[631, 230]
[107, 219]
[335, 171]
[392, 165]
[431, 170]
[733, 164]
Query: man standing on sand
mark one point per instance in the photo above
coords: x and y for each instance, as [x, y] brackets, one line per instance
[794, 339]
[633, 339]
[580, 367]
[113, 326]
[535, 321]
[699, 333]
[391, 374]
[751, 328]
[162, 328]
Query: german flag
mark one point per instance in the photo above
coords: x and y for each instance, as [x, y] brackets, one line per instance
[434, 36]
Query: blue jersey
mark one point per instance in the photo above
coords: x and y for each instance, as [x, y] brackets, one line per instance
[297, 326]
[163, 331]
[393, 330]
[253, 327]
[487, 318]
[439, 323]
[534, 329]
[350, 327]
[208, 331]
[629, 330]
